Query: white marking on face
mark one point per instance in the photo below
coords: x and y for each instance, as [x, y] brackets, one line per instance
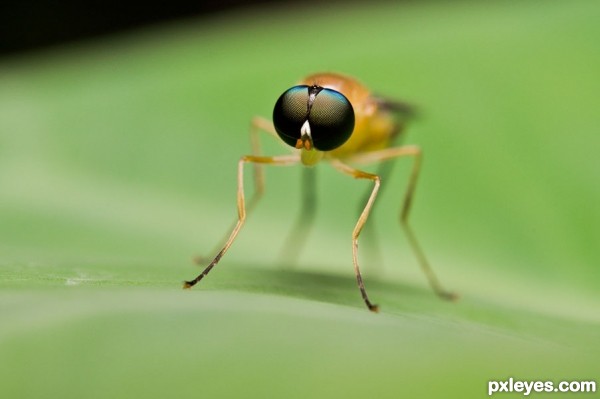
[305, 130]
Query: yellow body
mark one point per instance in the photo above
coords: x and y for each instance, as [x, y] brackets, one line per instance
[373, 128]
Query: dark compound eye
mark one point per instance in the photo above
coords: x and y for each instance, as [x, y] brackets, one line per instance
[290, 113]
[331, 120]
[329, 114]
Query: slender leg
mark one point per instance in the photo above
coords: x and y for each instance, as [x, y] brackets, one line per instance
[358, 174]
[257, 125]
[383, 171]
[415, 153]
[297, 237]
[371, 237]
[241, 205]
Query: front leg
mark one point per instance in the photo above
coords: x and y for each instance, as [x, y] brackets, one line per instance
[415, 153]
[257, 125]
[241, 206]
[359, 174]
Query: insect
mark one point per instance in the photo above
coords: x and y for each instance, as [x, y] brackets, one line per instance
[329, 117]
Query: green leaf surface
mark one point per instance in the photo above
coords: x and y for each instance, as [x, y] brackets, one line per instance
[118, 166]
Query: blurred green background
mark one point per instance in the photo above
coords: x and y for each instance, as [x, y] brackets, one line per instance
[118, 164]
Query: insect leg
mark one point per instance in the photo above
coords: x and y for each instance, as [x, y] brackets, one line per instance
[359, 174]
[257, 126]
[241, 205]
[371, 237]
[415, 153]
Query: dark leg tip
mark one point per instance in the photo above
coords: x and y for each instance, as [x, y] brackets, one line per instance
[373, 308]
[188, 284]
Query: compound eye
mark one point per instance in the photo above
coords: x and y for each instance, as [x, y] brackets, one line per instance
[331, 120]
[290, 113]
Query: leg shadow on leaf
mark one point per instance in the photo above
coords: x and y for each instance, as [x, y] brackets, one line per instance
[323, 287]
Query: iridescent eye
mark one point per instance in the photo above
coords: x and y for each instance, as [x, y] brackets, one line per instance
[331, 120]
[290, 113]
[329, 114]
